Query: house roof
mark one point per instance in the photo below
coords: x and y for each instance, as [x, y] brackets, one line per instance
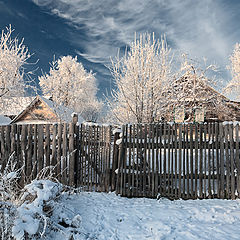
[62, 113]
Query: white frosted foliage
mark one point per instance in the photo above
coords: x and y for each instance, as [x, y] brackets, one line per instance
[71, 85]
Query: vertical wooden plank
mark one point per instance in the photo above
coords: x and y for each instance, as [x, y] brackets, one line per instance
[104, 159]
[164, 158]
[232, 161]
[64, 155]
[23, 149]
[205, 161]
[98, 159]
[160, 158]
[40, 148]
[213, 159]
[29, 153]
[226, 130]
[3, 156]
[8, 142]
[19, 153]
[91, 157]
[13, 140]
[187, 160]
[200, 161]
[191, 158]
[184, 162]
[129, 168]
[72, 155]
[176, 161]
[144, 141]
[222, 177]
[237, 159]
[47, 145]
[196, 161]
[173, 140]
[139, 150]
[35, 147]
[125, 161]
[157, 160]
[209, 162]
[81, 149]
[59, 152]
[101, 161]
[54, 149]
[109, 155]
[115, 158]
[217, 145]
[180, 163]
[149, 160]
[114, 164]
[153, 159]
[134, 159]
[122, 158]
[170, 169]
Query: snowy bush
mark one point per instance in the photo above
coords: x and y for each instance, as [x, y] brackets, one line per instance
[34, 211]
[9, 192]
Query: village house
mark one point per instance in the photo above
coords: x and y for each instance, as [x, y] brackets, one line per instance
[208, 106]
[44, 111]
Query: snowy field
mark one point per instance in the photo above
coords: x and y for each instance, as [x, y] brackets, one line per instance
[107, 216]
[49, 211]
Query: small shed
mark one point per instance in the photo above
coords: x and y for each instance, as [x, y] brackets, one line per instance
[45, 111]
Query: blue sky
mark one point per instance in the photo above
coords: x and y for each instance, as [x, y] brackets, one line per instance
[95, 30]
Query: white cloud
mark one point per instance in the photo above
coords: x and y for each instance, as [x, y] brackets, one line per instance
[200, 28]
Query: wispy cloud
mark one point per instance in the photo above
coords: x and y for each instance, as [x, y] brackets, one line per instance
[201, 28]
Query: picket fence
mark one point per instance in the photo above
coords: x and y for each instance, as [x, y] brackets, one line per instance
[186, 161]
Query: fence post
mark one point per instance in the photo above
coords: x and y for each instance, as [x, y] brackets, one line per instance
[72, 154]
[221, 135]
[119, 187]
[115, 159]
[237, 160]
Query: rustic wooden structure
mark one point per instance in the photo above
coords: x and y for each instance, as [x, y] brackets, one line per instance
[44, 111]
[216, 107]
[186, 161]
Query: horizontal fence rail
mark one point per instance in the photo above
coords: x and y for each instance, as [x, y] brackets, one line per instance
[186, 161]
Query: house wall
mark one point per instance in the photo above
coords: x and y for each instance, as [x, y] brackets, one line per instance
[39, 113]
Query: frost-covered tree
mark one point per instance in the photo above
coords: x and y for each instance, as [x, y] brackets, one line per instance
[69, 84]
[14, 56]
[233, 87]
[141, 77]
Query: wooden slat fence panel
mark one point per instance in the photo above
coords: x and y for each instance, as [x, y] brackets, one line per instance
[172, 160]
[181, 161]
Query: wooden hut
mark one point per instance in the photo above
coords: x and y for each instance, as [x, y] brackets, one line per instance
[45, 111]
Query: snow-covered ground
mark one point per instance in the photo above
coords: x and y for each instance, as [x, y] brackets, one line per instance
[107, 216]
[48, 211]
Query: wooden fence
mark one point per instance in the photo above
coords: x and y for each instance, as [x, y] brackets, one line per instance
[79, 156]
[186, 161]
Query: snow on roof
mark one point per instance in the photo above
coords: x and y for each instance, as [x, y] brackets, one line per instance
[4, 120]
[10, 106]
[62, 112]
